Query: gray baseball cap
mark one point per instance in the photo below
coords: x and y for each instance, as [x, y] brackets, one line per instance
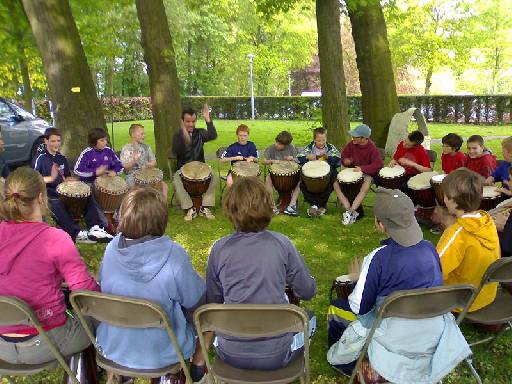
[361, 131]
[395, 210]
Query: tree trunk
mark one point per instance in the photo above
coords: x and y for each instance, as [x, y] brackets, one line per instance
[25, 75]
[109, 77]
[70, 83]
[428, 80]
[163, 78]
[332, 77]
[379, 98]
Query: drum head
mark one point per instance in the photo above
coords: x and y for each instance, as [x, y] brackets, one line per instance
[490, 192]
[348, 175]
[284, 168]
[245, 169]
[421, 181]
[74, 188]
[196, 170]
[438, 179]
[316, 169]
[344, 278]
[114, 185]
[392, 172]
[148, 175]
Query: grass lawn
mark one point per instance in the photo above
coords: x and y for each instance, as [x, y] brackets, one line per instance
[326, 245]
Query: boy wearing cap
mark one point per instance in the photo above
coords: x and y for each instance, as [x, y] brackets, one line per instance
[362, 155]
[402, 350]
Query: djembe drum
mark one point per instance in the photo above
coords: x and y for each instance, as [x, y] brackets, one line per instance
[436, 182]
[423, 194]
[343, 286]
[490, 198]
[316, 176]
[350, 182]
[148, 177]
[392, 177]
[109, 192]
[74, 195]
[292, 299]
[196, 177]
[285, 176]
[245, 169]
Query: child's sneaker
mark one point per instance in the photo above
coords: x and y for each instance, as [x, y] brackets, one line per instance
[291, 210]
[353, 217]
[206, 213]
[275, 211]
[345, 218]
[313, 211]
[99, 234]
[321, 211]
[191, 214]
[83, 238]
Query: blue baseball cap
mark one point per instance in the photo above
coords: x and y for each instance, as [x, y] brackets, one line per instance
[361, 131]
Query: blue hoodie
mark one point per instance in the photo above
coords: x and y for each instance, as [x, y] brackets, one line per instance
[159, 270]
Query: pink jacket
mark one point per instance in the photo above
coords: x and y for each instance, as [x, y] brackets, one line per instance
[366, 157]
[34, 261]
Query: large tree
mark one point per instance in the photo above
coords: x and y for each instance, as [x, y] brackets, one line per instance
[163, 78]
[379, 98]
[332, 76]
[70, 82]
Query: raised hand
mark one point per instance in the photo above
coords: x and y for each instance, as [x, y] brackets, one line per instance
[206, 113]
[54, 173]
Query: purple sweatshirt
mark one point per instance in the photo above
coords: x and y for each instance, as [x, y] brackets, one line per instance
[91, 159]
[34, 261]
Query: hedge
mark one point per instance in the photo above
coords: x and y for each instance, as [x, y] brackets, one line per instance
[472, 109]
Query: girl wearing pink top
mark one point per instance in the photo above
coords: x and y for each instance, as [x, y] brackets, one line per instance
[35, 259]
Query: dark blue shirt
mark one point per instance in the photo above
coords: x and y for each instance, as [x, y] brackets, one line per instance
[4, 168]
[237, 149]
[44, 163]
[502, 172]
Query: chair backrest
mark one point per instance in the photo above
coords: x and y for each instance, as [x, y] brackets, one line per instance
[499, 271]
[251, 320]
[123, 311]
[426, 302]
[14, 311]
[432, 155]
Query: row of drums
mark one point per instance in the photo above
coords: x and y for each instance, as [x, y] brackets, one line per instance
[108, 191]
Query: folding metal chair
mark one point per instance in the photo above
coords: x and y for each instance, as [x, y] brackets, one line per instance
[418, 304]
[253, 321]
[16, 311]
[500, 310]
[222, 178]
[172, 165]
[128, 312]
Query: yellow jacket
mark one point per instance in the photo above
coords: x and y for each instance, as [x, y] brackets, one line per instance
[466, 249]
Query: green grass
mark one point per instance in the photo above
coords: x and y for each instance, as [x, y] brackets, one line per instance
[326, 245]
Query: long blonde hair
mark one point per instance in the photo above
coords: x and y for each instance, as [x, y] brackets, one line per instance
[22, 187]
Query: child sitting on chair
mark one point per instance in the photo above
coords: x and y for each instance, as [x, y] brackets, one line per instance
[479, 159]
[318, 149]
[503, 172]
[253, 266]
[402, 350]
[471, 244]
[281, 150]
[452, 158]
[98, 159]
[242, 150]
[143, 262]
[138, 155]
[362, 155]
[54, 168]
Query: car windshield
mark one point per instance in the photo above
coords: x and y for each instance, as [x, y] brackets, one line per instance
[20, 111]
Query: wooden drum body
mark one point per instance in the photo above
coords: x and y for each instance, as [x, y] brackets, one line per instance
[109, 191]
[196, 177]
[491, 198]
[392, 177]
[343, 286]
[316, 176]
[74, 196]
[285, 177]
[436, 182]
[245, 169]
[148, 177]
[422, 192]
[350, 182]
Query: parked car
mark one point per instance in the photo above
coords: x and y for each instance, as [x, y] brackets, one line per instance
[22, 133]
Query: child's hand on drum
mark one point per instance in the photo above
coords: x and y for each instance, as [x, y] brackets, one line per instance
[311, 157]
[101, 170]
[111, 173]
[347, 161]
[354, 269]
[238, 158]
[406, 162]
[505, 191]
[289, 158]
[250, 159]
[357, 169]
[392, 163]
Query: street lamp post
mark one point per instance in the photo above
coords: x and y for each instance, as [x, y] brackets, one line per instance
[251, 57]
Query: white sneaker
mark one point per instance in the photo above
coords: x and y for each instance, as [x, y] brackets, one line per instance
[321, 211]
[99, 234]
[191, 214]
[345, 218]
[353, 217]
[313, 211]
[83, 238]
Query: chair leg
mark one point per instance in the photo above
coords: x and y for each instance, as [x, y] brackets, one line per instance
[473, 371]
